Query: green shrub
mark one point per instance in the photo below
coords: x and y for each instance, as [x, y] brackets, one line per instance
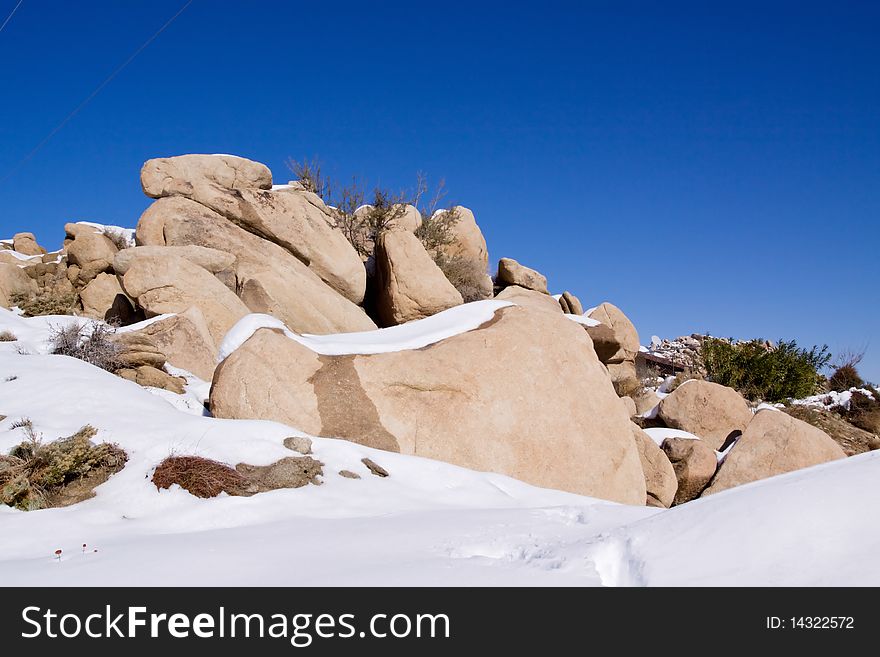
[760, 371]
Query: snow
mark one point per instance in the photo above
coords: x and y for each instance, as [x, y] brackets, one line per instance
[428, 523]
[831, 400]
[659, 434]
[412, 335]
[583, 319]
[109, 228]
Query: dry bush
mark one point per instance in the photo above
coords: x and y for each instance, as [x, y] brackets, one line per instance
[200, 476]
[34, 472]
[467, 275]
[7, 336]
[47, 302]
[863, 411]
[95, 347]
[846, 374]
[681, 377]
[308, 172]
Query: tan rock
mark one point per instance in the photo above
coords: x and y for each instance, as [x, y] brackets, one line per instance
[171, 285]
[468, 239]
[71, 230]
[772, 444]
[26, 243]
[137, 349]
[571, 304]
[296, 220]
[213, 260]
[409, 285]
[523, 395]
[186, 342]
[625, 332]
[705, 409]
[271, 279]
[151, 377]
[645, 400]
[103, 298]
[694, 464]
[14, 281]
[529, 299]
[181, 175]
[660, 480]
[630, 405]
[510, 272]
[93, 253]
[605, 341]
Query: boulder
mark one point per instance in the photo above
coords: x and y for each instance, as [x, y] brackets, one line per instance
[522, 395]
[529, 299]
[103, 298]
[510, 272]
[630, 405]
[661, 482]
[181, 175]
[137, 349]
[296, 220]
[270, 278]
[93, 253]
[694, 464]
[571, 304]
[186, 342]
[213, 260]
[151, 377]
[625, 332]
[772, 444]
[26, 243]
[645, 400]
[705, 409]
[14, 281]
[71, 230]
[171, 284]
[605, 341]
[468, 241]
[409, 285]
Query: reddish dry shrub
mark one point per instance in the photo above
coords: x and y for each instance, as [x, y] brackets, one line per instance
[200, 476]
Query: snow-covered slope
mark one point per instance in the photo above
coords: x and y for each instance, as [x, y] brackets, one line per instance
[427, 523]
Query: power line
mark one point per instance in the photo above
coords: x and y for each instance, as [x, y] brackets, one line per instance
[97, 90]
[11, 14]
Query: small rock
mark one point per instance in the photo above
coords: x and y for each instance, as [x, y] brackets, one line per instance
[374, 467]
[299, 444]
[348, 474]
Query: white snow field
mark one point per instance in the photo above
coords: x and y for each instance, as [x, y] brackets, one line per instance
[428, 523]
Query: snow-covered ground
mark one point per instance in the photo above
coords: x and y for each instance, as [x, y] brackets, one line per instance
[428, 523]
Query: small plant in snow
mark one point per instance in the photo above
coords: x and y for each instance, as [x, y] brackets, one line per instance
[95, 347]
[7, 336]
[120, 240]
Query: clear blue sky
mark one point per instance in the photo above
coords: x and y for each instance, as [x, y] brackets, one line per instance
[706, 167]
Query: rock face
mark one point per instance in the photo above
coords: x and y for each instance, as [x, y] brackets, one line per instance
[660, 480]
[571, 304]
[409, 285]
[468, 239]
[772, 444]
[694, 464]
[93, 253]
[270, 278]
[103, 298]
[26, 243]
[708, 410]
[605, 341]
[138, 350]
[529, 299]
[186, 342]
[523, 395]
[171, 284]
[622, 363]
[213, 260]
[510, 272]
[13, 281]
[294, 219]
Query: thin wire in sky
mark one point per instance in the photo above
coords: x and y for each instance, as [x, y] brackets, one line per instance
[97, 90]
[11, 14]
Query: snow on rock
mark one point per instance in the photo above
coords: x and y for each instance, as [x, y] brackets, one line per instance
[583, 319]
[104, 229]
[831, 400]
[659, 434]
[412, 335]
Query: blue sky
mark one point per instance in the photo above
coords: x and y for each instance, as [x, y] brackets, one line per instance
[705, 166]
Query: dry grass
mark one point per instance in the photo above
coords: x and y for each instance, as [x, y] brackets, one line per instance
[467, 275]
[7, 336]
[200, 476]
[120, 240]
[34, 474]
